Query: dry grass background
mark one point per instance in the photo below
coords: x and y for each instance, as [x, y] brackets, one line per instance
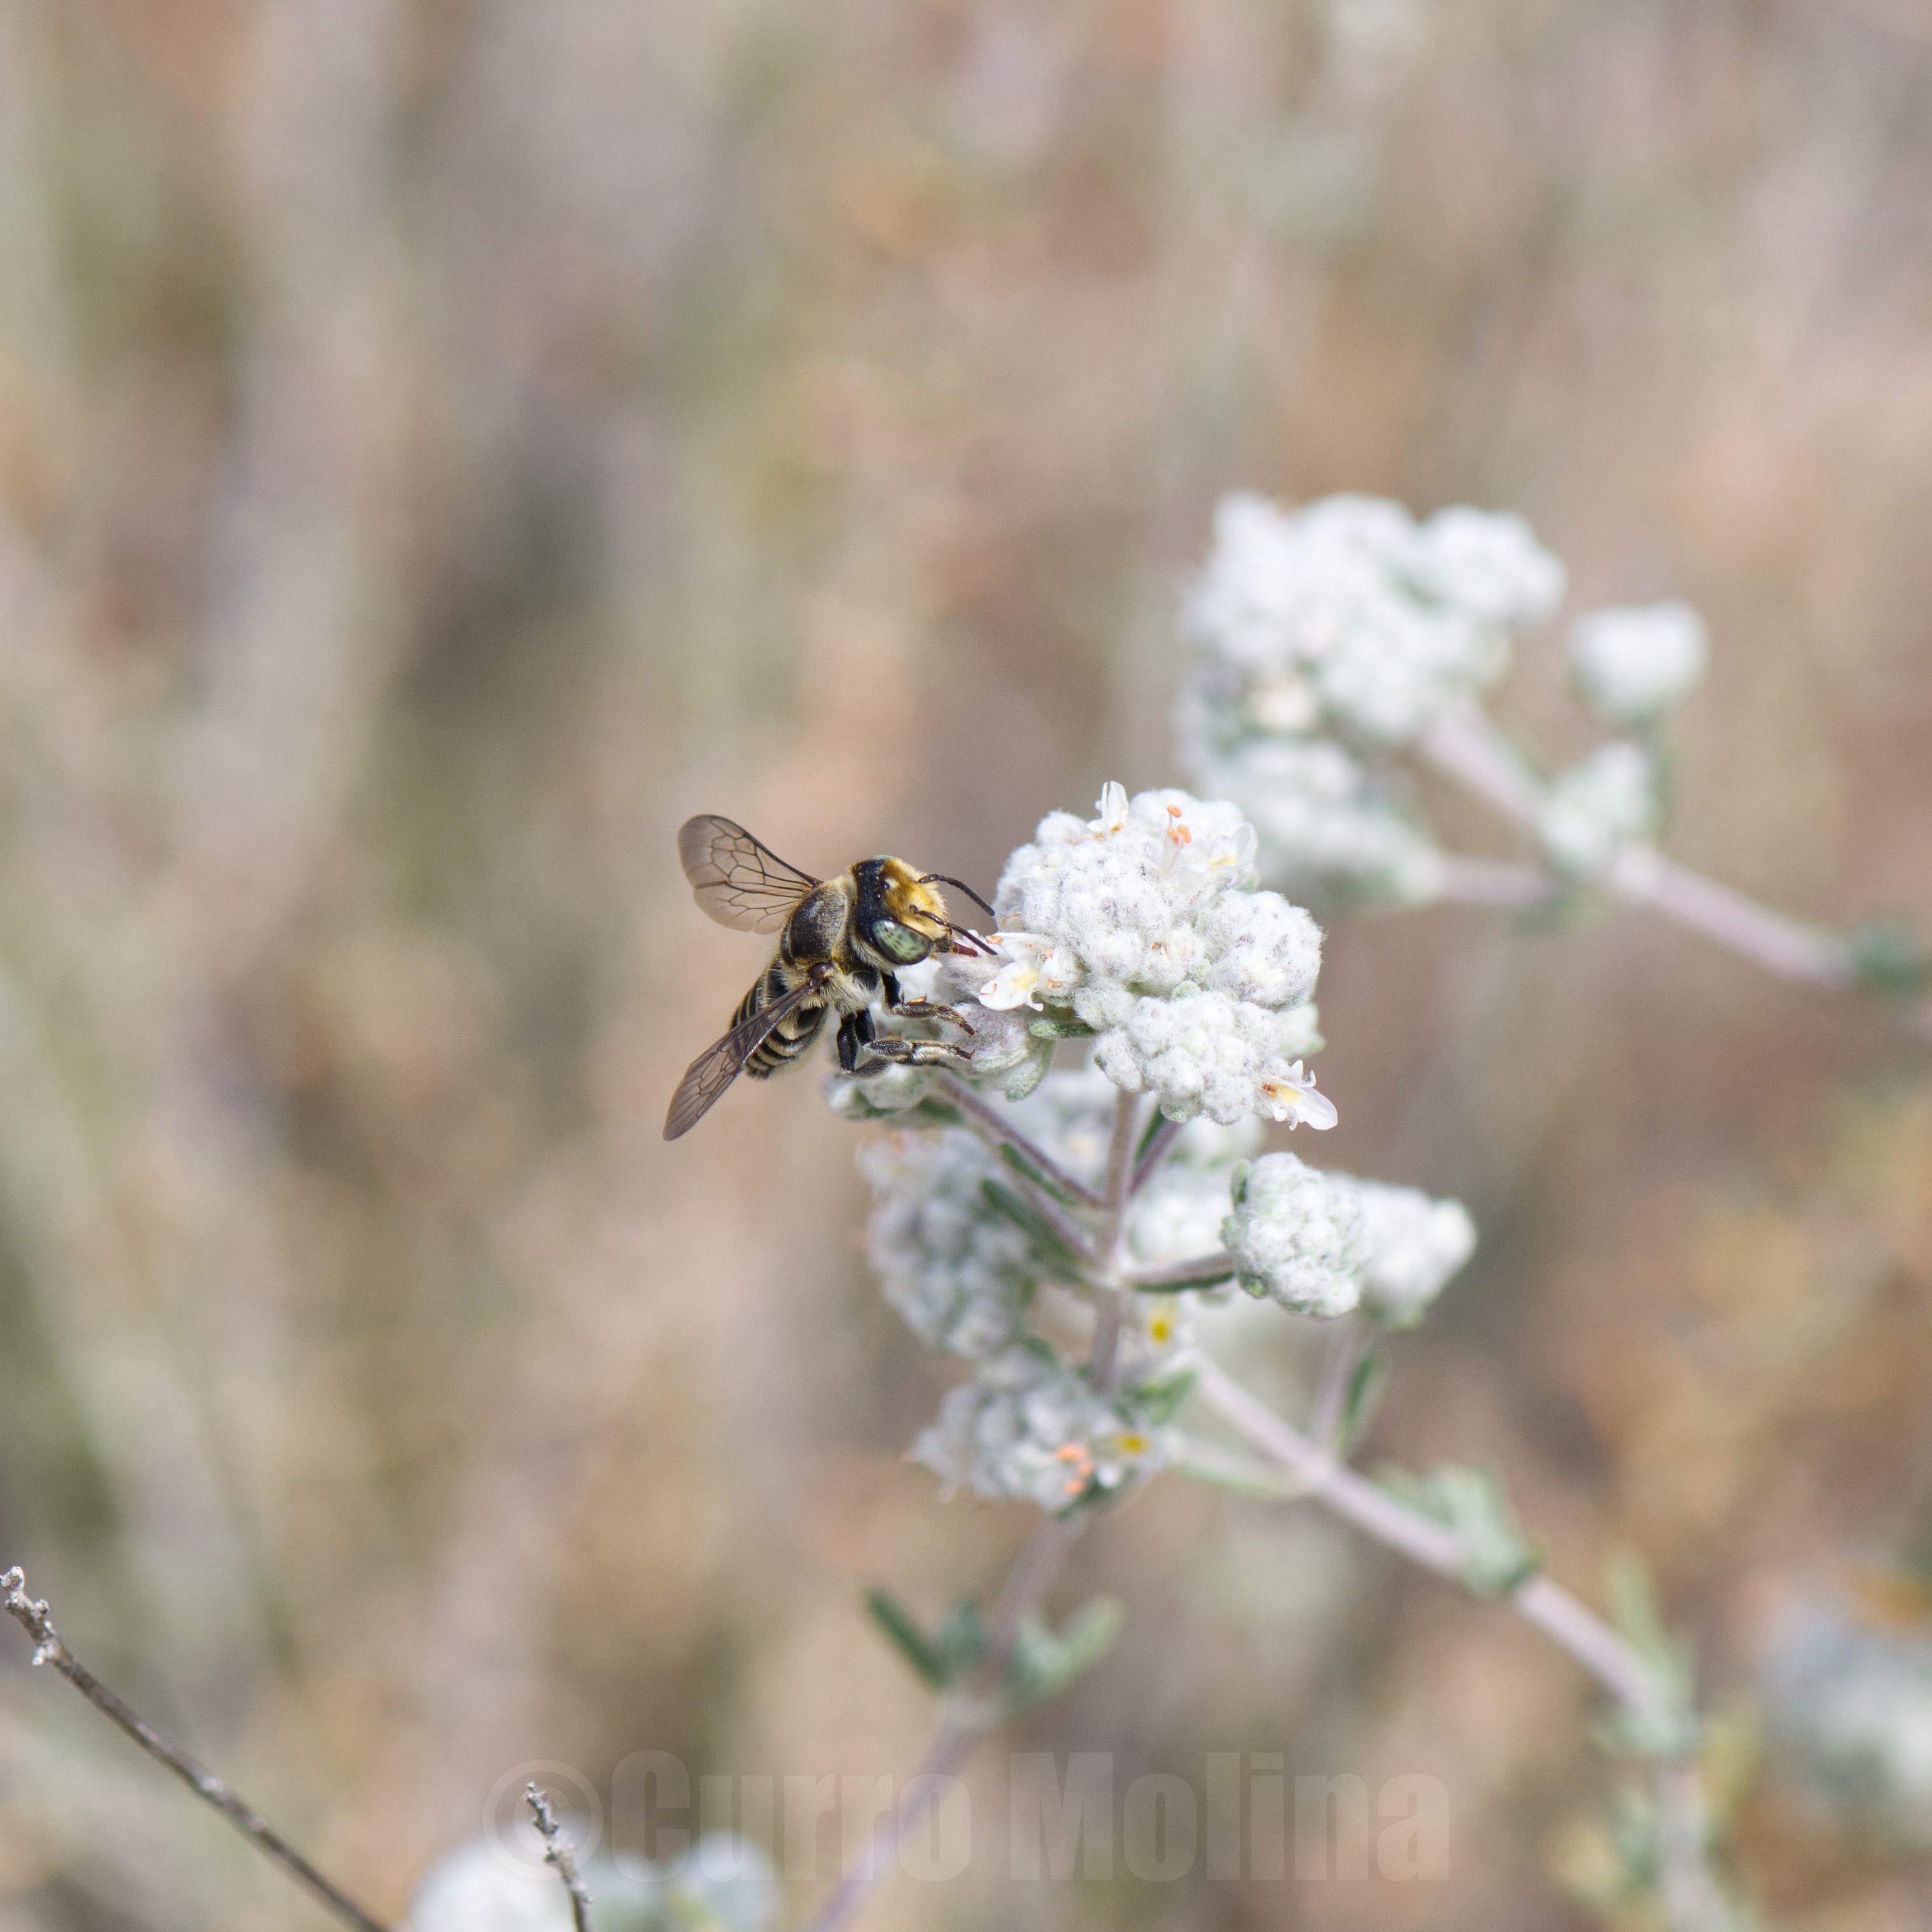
[443, 442]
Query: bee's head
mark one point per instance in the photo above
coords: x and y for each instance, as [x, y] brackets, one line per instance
[901, 915]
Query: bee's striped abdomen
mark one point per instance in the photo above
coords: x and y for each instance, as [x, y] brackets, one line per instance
[792, 1036]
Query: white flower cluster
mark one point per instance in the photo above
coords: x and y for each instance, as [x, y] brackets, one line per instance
[1320, 816]
[1352, 612]
[1027, 1427]
[1596, 807]
[1325, 1243]
[1632, 665]
[959, 1273]
[1144, 926]
[1343, 628]
[721, 1883]
[1415, 1245]
[1850, 1706]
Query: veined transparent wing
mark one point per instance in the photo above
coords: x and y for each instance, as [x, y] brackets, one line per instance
[738, 881]
[720, 1063]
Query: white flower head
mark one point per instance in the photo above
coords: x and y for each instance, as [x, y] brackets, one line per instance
[1632, 665]
[1026, 1427]
[1144, 926]
[1296, 1236]
[1601, 804]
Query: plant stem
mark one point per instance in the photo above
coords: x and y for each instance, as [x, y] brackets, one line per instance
[1690, 1891]
[1032, 1576]
[993, 1126]
[1559, 1615]
[1109, 1293]
[560, 1854]
[1158, 1148]
[33, 1617]
[1466, 746]
[1204, 1271]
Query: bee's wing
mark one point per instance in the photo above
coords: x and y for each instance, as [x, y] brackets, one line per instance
[735, 879]
[720, 1063]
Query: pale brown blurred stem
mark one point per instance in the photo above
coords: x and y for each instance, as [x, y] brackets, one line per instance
[1032, 1576]
[1690, 1890]
[1465, 745]
[1108, 1292]
[33, 1617]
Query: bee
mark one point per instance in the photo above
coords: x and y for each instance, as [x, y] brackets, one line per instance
[842, 943]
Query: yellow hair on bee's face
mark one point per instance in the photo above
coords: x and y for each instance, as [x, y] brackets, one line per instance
[910, 900]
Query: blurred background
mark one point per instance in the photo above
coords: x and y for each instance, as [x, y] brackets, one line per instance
[443, 443]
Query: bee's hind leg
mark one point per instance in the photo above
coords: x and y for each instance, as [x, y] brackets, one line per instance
[919, 1052]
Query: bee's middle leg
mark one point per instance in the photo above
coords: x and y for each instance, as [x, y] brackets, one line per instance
[855, 1037]
[930, 1010]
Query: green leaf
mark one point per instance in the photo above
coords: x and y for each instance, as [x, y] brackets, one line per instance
[1159, 1397]
[1358, 1406]
[1019, 1162]
[961, 1641]
[1047, 1027]
[1028, 1075]
[1044, 1663]
[1493, 1557]
[902, 1631]
[1038, 1229]
[1180, 1285]
[1669, 1727]
[941, 1658]
[1888, 959]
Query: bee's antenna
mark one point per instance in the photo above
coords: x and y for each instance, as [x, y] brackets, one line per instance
[975, 942]
[940, 879]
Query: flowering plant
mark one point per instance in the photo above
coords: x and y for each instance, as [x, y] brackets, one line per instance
[1088, 1218]
[1339, 651]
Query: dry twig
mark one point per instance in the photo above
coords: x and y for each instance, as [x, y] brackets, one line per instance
[32, 1616]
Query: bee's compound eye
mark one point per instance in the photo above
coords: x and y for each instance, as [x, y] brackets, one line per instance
[899, 942]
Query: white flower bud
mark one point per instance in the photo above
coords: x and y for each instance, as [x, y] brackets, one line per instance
[1599, 805]
[1632, 665]
[1296, 1236]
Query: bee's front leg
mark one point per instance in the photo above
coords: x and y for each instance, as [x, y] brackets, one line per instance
[900, 1009]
